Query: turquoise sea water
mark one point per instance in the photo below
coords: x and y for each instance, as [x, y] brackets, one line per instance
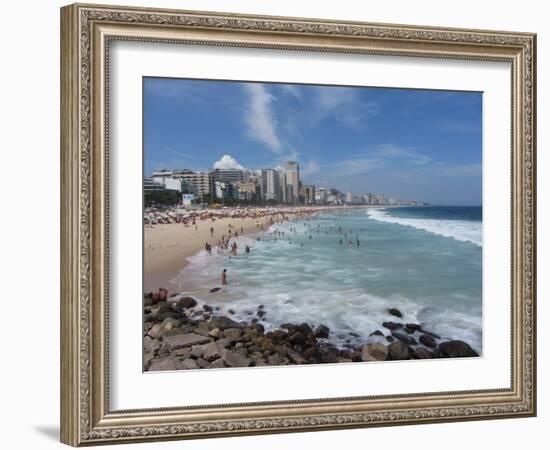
[427, 262]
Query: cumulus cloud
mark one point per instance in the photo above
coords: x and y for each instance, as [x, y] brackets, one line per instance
[227, 162]
[260, 118]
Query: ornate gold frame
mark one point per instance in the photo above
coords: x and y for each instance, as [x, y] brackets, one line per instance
[86, 31]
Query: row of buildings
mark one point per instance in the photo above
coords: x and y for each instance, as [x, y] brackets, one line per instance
[264, 186]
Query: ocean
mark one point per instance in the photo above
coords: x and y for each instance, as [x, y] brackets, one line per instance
[345, 269]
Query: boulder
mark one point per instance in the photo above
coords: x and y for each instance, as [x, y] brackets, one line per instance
[296, 357]
[456, 349]
[147, 358]
[187, 302]
[276, 335]
[217, 364]
[163, 364]
[413, 327]
[421, 353]
[214, 332]
[322, 331]
[402, 337]
[428, 341]
[203, 363]
[182, 352]
[398, 350]
[312, 354]
[212, 351]
[374, 352]
[198, 350]
[395, 312]
[392, 325]
[187, 364]
[377, 333]
[207, 308]
[216, 289]
[150, 345]
[163, 351]
[185, 340]
[233, 359]
[390, 338]
[156, 331]
[224, 323]
[233, 334]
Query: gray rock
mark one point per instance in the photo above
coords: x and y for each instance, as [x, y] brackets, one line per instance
[182, 352]
[322, 331]
[214, 332]
[217, 364]
[164, 350]
[202, 363]
[421, 353]
[223, 323]
[147, 358]
[277, 360]
[456, 349]
[224, 342]
[187, 364]
[212, 351]
[296, 357]
[150, 345]
[163, 364]
[185, 340]
[233, 334]
[374, 352]
[216, 289]
[398, 350]
[392, 325]
[428, 341]
[187, 302]
[233, 359]
[395, 312]
[377, 333]
[403, 338]
[156, 331]
[198, 350]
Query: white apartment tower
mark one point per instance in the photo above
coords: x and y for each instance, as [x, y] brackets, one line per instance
[292, 171]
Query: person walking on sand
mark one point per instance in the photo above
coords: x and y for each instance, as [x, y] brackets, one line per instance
[211, 231]
[224, 277]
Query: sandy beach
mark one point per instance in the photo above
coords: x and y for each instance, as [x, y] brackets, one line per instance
[167, 246]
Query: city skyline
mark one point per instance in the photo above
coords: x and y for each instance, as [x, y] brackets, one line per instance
[401, 142]
[229, 181]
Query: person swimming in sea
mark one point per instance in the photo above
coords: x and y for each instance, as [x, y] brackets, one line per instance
[224, 277]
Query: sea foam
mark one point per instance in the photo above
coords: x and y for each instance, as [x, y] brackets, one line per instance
[461, 230]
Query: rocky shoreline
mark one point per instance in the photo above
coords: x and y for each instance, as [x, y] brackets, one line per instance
[179, 333]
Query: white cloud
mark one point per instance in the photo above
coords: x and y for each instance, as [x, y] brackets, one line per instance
[292, 90]
[345, 105]
[260, 117]
[227, 162]
[396, 151]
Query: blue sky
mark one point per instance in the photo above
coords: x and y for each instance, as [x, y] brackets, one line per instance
[404, 143]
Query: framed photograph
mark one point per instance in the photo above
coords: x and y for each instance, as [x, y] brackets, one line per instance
[278, 224]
